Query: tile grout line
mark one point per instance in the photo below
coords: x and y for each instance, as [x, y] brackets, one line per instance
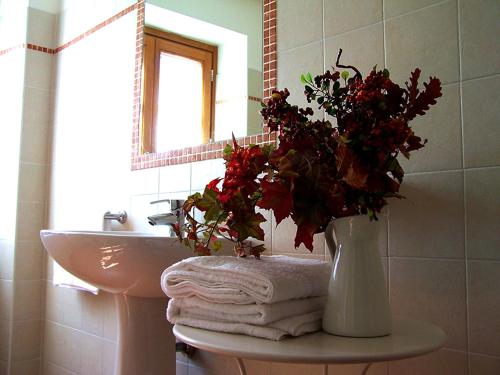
[452, 170]
[419, 9]
[384, 50]
[81, 331]
[464, 188]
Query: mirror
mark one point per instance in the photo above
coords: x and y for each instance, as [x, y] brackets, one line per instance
[244, 33]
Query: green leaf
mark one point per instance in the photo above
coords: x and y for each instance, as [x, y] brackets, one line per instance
[228, 150]
[321, 99]
[345, 75]
[303, 79]
[217, 245]
[386, 73]
[309, 77]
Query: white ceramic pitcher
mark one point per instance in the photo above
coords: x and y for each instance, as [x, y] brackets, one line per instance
[357, 304]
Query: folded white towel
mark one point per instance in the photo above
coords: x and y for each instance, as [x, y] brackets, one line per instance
[227, 279]
[258, 314]
[294, 326]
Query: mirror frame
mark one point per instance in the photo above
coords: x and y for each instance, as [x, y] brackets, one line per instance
[213, 150]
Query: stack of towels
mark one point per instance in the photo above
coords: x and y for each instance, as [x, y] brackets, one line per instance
[272, 297]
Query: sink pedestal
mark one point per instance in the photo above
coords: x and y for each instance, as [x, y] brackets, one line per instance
[145, 343]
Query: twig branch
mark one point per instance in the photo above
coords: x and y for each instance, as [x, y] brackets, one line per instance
[338, 65]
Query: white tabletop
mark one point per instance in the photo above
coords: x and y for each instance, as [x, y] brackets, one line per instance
[410, 338]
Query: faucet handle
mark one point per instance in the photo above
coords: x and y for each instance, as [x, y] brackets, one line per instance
[160, 201]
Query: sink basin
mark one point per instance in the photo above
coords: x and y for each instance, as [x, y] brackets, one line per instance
[128, 263]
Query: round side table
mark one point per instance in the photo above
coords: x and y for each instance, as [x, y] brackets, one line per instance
[410, 338]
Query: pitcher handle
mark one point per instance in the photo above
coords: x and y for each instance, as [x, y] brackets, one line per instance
[329, 239]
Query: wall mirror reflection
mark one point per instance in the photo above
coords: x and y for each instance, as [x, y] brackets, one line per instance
[202, 72]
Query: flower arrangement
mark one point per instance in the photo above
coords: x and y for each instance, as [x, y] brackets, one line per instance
[319, 170]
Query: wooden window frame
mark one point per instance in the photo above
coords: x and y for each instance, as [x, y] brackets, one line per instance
[158, 41]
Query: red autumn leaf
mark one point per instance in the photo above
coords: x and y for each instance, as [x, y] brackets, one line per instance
[305, 233]
[202, 249]
[212, 185]
[419, 102]
[276, 195]
[350, 168]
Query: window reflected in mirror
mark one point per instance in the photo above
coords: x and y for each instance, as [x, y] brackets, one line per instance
[178, 96]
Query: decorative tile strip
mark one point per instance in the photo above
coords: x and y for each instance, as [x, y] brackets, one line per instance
[52, 51]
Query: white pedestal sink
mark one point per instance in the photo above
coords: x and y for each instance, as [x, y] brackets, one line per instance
[128, 265]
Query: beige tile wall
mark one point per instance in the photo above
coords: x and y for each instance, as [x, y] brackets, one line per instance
[443, 241]
[24, 259]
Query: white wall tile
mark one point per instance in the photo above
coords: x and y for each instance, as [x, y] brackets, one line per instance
[481, 98]
[63, 306]
[203, 172]
[480, 46]
[483, 299]
[482, 204]
[6, 260]
[31, 367]
[29, 260]
[362, 48]
[144, 181]
[28, 299]
[37, 108]
[341, 16]
[175, 178]
[427, 39]
[433, 291]
[442, 362]
[429, 222]
[32, 182]
[397, 7]
[62, 346]
[30, 220]
[38, 69]
[26, 340]
[293, 63]
[108, 364]
[4, 339]
[293, 14]
[34, 141]
[484, 365]
[53, 369]
[6, 300]
[92, 352]
[41, 27]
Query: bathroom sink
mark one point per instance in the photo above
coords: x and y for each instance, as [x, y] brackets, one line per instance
[128, 263]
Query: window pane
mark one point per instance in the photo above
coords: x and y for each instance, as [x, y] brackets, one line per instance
[180, 103]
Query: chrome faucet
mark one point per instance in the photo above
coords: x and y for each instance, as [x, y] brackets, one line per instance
[108, 217]
[175, 216]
